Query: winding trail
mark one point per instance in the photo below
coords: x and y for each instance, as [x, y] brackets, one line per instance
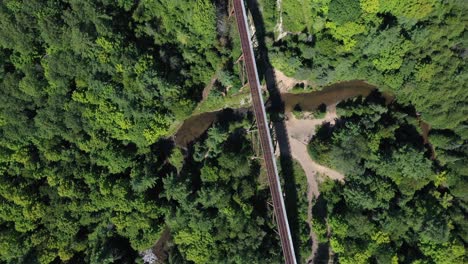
[208, 87]
[300, 131]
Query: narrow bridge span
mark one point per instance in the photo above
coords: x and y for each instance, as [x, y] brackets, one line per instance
[264, 132]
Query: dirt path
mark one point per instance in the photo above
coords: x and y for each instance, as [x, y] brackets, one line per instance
[160, 249]
[300, 131]
[208, 87]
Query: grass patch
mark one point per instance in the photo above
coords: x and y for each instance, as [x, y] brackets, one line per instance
[297, 112]
[216, 102]
[174, 127]
[318, 113]
[270, 14]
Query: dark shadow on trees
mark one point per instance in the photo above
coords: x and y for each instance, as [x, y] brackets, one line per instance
[322, 108]
[157, 164]
[374, 97]
[276, 111]
[319, 211]
[323, 254]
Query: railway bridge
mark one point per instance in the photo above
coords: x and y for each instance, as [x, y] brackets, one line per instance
[264, 133]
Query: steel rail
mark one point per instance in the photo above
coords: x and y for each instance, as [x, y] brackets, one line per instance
[264, 132]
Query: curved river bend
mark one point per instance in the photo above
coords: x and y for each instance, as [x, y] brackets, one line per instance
[195, 126]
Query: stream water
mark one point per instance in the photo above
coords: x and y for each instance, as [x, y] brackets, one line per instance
[330, 95]
[195, 126]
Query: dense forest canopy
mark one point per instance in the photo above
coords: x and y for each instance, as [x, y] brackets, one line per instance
[91, 92]
[87, 89]
[220, 214]
[413, 48]
[398, 204]
[401, 202]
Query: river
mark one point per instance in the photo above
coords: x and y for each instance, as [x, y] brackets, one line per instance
[195, 126]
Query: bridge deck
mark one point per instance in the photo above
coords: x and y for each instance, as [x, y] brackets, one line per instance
[264, 132]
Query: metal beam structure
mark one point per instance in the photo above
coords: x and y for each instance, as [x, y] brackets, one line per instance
[264, 132]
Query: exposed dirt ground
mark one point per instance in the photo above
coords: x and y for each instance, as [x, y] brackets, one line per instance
[300, 131]
[208, 87]
[160, 249]
[286, 83]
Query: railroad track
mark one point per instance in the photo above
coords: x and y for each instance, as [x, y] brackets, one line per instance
[264, 132]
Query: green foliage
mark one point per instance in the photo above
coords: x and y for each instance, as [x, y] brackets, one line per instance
[295, 187]
[395, 205]
[177, 159]
[297, 111]
[216, 102]
[320, 112]
[221, 216]
[342, 11]
[412, 48]
[296, 16]
[410, 10]
[88, 89]
[189, 28]
[407, 169]
[289, 66]
[390, 49]
[270, 13]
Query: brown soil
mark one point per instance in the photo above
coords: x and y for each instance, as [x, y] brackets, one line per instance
[300, 131]
[285, 83]
[161, 247]
[207, 89]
